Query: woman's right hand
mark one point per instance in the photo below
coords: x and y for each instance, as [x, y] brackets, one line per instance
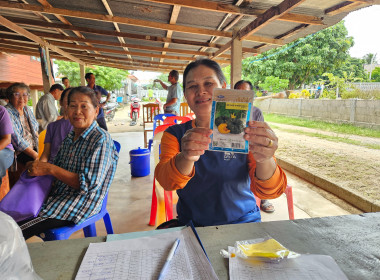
[195, 142]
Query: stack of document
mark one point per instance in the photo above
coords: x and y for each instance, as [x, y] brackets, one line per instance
[144, 257]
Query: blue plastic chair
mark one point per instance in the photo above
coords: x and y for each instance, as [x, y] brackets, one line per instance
[88, 226]
[158, 118]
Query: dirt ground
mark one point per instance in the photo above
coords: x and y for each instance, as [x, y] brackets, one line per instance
[348, 165]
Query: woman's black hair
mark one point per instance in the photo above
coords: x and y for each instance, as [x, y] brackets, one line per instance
[85, 91]
[14, 87]
[241, 82]
[64, 93]
[208, 63]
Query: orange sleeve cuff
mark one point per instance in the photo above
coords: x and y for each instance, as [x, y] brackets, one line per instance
[166, 171]
[268, 189]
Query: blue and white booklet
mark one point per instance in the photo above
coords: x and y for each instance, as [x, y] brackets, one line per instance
[231, 110]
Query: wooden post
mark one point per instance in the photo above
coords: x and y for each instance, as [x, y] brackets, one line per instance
[34, 96]
[82, 74]
[236, 59]
[46, 71]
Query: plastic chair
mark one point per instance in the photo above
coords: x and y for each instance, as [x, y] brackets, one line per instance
[149, 112]
[184, 109]
[88, 226]
[41, 140]
[162, 201]
[157, 121]
[289, 198]
[4, 185]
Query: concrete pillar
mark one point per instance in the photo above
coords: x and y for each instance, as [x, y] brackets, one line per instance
[46, 70]
[34, 96]
[352, 110]
[82, 74]
[236, 59]
[300, 107]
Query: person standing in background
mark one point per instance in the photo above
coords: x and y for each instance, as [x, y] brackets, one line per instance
[175, 93]
[66, 82]
[46, 111]
[90, 78]
[257, 115]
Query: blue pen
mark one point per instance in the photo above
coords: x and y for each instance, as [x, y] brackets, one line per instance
[169, 258]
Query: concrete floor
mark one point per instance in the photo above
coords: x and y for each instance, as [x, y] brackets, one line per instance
[129, 198]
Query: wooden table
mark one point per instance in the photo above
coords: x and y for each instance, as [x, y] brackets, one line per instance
[352, 240]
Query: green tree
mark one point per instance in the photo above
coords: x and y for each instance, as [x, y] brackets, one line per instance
[376, 75]
[370, 58]
[107, 77]
[352, 68]
[304, 62]
[274, 84]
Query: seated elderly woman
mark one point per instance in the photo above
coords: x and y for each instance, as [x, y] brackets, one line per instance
[84, 168]
[25, 125]
[216, 188]
[6, 148]
[57, 131]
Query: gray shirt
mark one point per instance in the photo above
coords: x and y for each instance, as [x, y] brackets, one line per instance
[257, 115]
[174, 91]
[46, 112]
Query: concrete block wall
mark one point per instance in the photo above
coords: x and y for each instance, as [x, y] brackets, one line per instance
[364, 113]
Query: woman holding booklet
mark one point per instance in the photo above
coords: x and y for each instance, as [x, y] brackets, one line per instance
[216, 188]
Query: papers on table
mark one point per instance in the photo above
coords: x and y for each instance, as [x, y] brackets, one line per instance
[144, 257]
[301, 268]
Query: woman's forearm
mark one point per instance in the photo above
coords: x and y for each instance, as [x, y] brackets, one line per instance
[69, 178]
[46, 153]
[30, 152]
[265, 169]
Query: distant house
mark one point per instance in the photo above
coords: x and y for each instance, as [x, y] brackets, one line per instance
[20, 68]
[130, 83]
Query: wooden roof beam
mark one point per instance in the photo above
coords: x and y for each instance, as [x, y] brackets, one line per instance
[45, 3]
[261, 21]
[236, 10]
[109, 11]
[127, 21]
[342, 7]
[173, 20]
[137, 36]
[36, 39]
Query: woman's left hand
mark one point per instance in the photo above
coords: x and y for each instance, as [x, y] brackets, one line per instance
[263, 142]
[38, 168]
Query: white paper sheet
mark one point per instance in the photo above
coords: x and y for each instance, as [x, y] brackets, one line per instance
[302, 268]
[143, 258]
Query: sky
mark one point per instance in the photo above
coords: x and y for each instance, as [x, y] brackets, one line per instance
[362, 25]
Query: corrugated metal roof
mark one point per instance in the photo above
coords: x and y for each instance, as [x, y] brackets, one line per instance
[160, 34]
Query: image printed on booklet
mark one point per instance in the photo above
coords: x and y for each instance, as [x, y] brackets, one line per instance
[231, 110]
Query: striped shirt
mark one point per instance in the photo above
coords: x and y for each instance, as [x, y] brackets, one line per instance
[94, 158]
[18, 141]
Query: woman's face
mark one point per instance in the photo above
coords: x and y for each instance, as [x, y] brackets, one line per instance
[64, 104]
[81, 111]
[200, 83]
[19, 98]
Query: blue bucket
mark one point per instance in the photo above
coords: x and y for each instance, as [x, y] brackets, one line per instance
[140, 162]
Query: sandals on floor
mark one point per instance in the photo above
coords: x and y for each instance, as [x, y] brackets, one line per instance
[266, 206]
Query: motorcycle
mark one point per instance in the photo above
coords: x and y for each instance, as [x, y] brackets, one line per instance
[109, 110]
[135, 110]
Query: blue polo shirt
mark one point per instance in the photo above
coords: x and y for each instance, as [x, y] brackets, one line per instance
[104, 93]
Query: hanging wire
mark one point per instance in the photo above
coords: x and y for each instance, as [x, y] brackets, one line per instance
[283, 50]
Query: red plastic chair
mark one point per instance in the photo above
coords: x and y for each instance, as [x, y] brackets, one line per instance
[289, 199]
[168, 195]
[176, 120]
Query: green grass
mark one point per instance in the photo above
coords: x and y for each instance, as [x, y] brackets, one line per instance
[324, 126]
[329, 137]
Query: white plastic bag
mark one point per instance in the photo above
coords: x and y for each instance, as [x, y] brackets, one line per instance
[15, 262]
